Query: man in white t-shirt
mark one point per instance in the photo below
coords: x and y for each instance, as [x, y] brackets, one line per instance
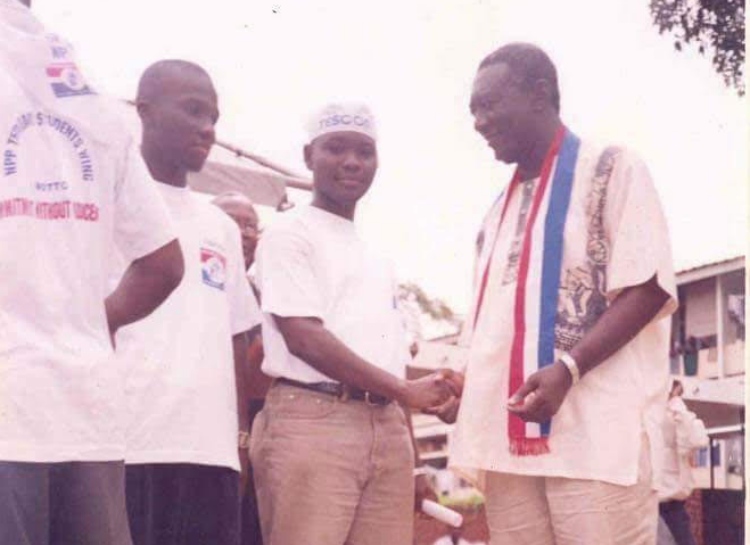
[568, 354]
[186, 440]
[73, 189]
[331, 450]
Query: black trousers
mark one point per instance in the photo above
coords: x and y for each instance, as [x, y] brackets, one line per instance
[183, 504]
[251, 533]
[676, 517]
[69, 503]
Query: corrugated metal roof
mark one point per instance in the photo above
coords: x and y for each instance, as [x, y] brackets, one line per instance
[710, 269]
[712, 264]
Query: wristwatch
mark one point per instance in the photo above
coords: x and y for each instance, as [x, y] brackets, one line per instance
[243, 439]
[572, 366]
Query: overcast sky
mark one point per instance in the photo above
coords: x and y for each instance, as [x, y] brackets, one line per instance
[274, 62]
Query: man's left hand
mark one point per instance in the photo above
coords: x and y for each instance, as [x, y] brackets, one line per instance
[447, 412]
[540, 397]
[422, 491]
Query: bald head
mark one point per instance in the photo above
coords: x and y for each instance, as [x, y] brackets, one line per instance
[240, 208]
[230, 199]
[178, 108]
[160, 78]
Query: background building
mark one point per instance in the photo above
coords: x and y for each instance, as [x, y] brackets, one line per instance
[708, 357]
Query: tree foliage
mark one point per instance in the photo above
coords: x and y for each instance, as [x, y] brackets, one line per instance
[434, 308]
[717, 27]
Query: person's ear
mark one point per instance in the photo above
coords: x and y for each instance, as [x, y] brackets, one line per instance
[541, 91]
[307, 152]
[144, 109]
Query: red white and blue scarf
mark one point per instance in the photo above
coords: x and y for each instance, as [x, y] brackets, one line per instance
[538, 282]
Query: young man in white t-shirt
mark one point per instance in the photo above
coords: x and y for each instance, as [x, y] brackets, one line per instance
[73, 189]
[331, 450]
[186, 440]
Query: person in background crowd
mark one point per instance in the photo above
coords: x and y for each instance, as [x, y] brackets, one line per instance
[568, 358]
[332, 451]
[240, 208]
[74, 187]
[187, 424]
[683, 433]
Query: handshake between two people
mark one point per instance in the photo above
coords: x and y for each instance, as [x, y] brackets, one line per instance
[537, 400]
[438, 393]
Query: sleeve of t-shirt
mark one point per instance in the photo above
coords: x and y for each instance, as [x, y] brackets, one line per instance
[243, 307]
[286, 275]
[142, 223]
[637, 230]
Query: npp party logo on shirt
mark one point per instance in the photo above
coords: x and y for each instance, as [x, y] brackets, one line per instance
[213, 268]
[66, 80]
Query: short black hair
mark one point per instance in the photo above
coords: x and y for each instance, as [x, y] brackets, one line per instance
[528, 63]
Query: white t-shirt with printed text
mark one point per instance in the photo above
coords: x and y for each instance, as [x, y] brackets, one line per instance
[73, 188]
[181, 393]
[312, 263]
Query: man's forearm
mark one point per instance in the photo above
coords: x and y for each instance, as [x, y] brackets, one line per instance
[257, 381]
[410, 425]
[241, 371]
[630, 312]
[147, 282]
[310, 341]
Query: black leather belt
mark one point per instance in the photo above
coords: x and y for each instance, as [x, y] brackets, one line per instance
[341, 391]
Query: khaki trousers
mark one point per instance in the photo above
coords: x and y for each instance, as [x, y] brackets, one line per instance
[332, 472]
[524, 510]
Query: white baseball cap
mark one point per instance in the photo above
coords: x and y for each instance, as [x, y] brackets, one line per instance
[340, 117]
